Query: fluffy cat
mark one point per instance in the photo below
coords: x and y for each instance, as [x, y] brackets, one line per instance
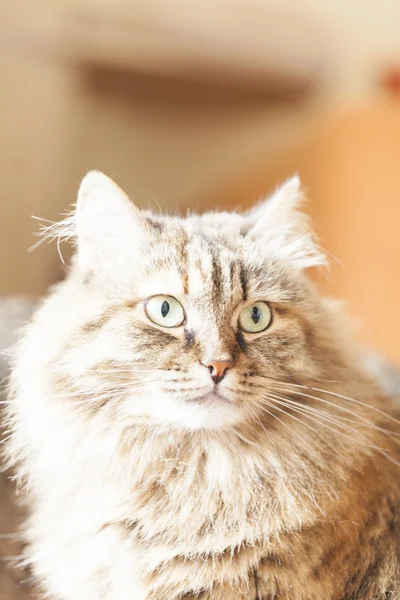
[191, 419]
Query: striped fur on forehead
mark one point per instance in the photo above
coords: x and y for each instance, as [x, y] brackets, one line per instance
[209, 264]
[213, 269]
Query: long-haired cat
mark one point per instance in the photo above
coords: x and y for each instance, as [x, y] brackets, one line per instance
[191, 419]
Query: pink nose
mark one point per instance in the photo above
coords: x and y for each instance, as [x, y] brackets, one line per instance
[218, 368]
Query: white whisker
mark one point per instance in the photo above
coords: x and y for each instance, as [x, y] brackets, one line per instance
[337, 395]
[279, 399]
[361, 418]
[280, 420]
[242, 437]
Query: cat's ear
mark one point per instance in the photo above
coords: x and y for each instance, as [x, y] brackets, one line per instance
[109, 227]
[283, 229]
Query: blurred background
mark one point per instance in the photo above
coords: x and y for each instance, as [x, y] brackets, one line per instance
[203, 105]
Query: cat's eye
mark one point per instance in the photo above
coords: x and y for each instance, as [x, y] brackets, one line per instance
[255, 317]
[165, 311]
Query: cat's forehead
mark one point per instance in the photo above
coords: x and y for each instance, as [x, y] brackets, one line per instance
[192, 242]
[209, 260]
[188, 258]
[225, 230]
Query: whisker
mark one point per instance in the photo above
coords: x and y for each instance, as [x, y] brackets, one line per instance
[302, 442]
[313, 408]
[8, 437]
[96, 398]
[334, 419]
[132, 385]
[127, 370]
[347, 398]
[373, 447]
[257, 418]
[295, 390]
[271, 378]
[367, 422]
[279, 399]
[325, 441]
[242, 437]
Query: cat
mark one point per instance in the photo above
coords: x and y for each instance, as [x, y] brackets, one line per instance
[189, 417]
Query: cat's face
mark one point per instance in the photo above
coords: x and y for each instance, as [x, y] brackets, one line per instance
[186, 322]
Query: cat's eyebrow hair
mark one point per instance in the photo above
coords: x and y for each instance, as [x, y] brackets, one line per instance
[231, 274]
[216, 278]
[244, 282]
[185, 282]
[184, 259]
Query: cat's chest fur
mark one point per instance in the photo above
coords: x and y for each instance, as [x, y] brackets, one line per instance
[331, 560]
[214, 521]
[203, 518]
[257, 537]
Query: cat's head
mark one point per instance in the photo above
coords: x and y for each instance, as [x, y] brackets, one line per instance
[186, 321]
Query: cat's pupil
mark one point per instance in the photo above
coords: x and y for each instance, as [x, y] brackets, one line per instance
[255, 314]
[164, 308]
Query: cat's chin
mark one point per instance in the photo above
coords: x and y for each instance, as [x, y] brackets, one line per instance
[212, 399]
[210, 411]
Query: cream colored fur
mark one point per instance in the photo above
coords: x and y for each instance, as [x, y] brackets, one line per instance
[142, 483]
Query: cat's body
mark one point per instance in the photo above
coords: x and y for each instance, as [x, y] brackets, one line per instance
[150, 475]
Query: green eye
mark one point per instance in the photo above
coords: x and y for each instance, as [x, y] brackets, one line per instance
[255, 317]
[165, 311]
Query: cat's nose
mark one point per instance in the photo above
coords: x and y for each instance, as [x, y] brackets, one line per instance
[218, 368]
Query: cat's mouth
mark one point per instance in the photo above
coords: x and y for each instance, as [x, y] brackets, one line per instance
[211, 399]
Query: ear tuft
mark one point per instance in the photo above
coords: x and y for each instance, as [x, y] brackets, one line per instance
[109, 227]
[98, 196]
[284, 230]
